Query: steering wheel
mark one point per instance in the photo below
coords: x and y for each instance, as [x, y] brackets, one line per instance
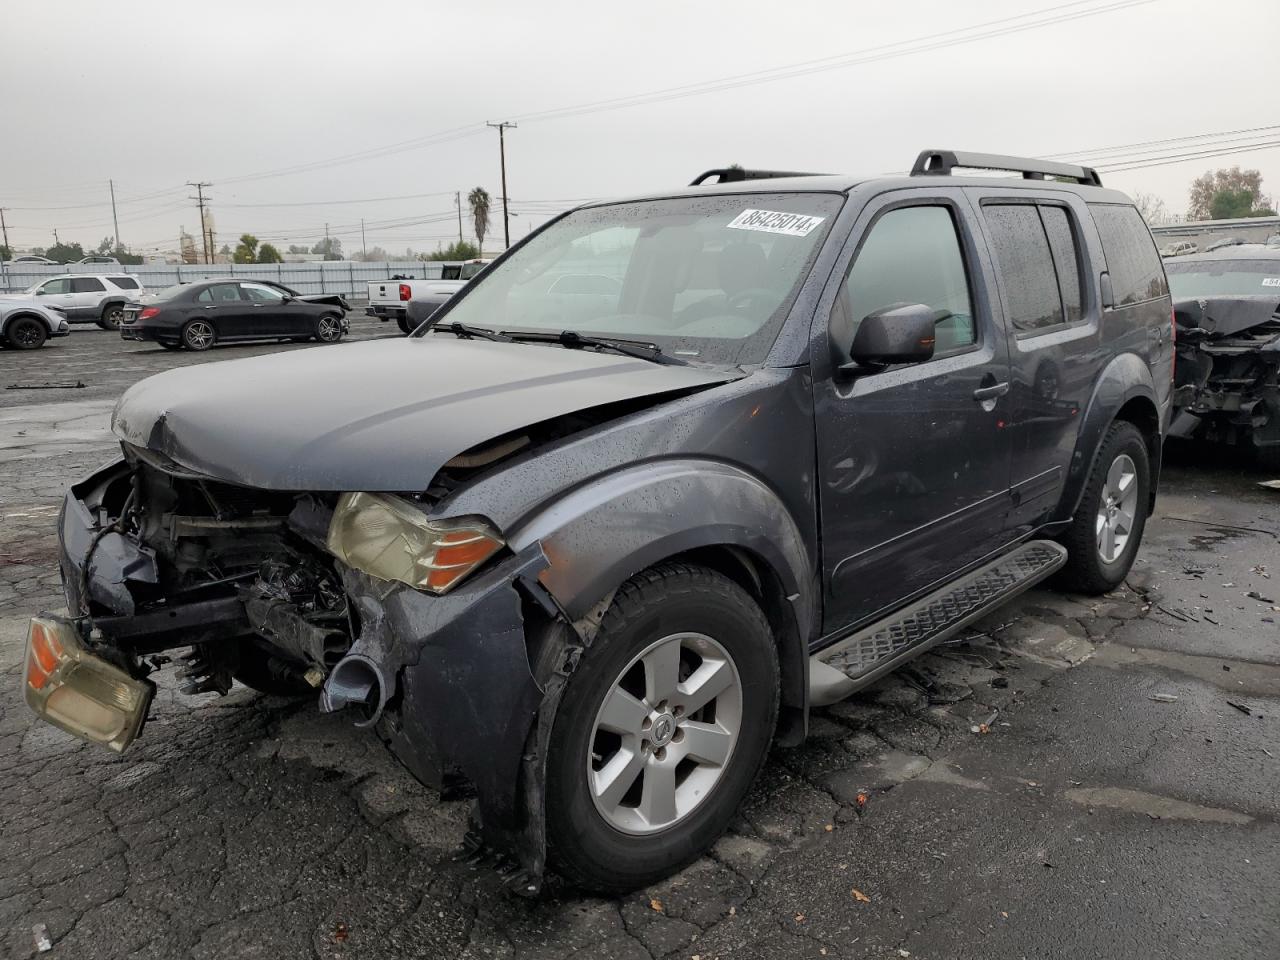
[745, 297]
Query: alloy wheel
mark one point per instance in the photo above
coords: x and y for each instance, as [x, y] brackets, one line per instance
[664, 734]
[199, 335]
[113, 316]
[329, 329]
[1117, 508]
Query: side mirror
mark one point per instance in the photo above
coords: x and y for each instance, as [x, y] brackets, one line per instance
[898, 333]
[286, 298]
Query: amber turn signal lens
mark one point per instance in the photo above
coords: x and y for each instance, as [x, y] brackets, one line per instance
[46, 653]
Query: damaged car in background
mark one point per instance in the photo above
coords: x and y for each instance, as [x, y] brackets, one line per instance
[587, 550]
[1227, 307]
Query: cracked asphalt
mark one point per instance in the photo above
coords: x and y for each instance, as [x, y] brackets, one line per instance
[1088, 820]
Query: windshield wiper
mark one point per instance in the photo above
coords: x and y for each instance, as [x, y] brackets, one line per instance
[639, 349]
[465, 332]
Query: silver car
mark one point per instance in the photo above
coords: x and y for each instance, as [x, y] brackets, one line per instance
[26, 326]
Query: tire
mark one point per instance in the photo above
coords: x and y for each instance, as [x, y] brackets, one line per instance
[619, 839]
[329, 328]
[112, 314]
[169, 346]
[198, 335]
[404, 324]
[1097, 559]
[26, 333]
[257, 668]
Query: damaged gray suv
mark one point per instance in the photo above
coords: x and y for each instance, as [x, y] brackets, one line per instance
[588, 547]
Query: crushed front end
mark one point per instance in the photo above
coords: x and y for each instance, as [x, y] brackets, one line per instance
[1228, 372]
[425, 631]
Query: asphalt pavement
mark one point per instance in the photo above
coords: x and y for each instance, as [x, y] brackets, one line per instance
[1080, 777]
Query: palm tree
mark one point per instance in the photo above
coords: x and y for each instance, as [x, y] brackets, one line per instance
[479, 201]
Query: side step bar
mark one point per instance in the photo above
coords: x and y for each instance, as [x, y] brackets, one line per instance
[867, 655]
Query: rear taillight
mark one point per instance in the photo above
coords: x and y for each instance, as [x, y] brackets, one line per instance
[405, 291]
[149, 312]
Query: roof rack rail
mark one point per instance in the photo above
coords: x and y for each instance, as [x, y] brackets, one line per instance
[733, 174]
[942, 162]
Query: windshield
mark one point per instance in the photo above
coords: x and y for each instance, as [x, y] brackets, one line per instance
[469, 270]
[1224, 278]
[704, 278]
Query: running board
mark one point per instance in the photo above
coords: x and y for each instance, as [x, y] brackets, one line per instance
[863, 657]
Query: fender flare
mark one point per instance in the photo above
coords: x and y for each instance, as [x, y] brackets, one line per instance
[1125, 379]
[605, 531]
[19, 314]
[110, 301]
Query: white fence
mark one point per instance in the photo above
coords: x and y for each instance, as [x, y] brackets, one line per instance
[330, 276]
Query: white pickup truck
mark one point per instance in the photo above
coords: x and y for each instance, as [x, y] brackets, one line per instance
[389, 299]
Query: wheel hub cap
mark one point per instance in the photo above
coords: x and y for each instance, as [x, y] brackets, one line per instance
[1118, 508]
[664, 733]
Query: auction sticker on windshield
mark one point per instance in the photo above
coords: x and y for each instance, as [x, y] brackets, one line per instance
[771, 221]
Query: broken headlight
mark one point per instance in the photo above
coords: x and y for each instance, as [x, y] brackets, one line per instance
[387, 538]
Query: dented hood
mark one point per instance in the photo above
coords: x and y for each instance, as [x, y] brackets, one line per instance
[381, 415]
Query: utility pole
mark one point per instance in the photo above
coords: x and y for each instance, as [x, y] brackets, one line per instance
[200, 199]
[457, 201]
[364, 246]
[114, 222]
[502, 151]
[4, 228]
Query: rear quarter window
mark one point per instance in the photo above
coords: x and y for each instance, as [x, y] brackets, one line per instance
[124, 283]
[1136, 272]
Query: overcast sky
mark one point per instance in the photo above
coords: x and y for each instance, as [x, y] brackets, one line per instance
[153, 94]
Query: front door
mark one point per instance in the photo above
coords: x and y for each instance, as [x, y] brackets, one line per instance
[913, 460]
[272, 315]
[57, 293]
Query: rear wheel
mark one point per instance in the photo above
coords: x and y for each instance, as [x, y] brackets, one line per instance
[329, 328]
[26, 333]
[1104, 536]
[405, 324]
[662, 728]
[198, 335]
[112, 314]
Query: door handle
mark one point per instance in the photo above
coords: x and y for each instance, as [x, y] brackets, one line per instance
[211, 308]
[990, 393]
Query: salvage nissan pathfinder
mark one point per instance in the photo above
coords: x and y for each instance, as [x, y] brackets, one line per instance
[591, 546]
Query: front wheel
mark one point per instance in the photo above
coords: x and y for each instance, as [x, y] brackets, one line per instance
[1104, 536]
[198, 335]
[662, 729]
[329, 329]
[26, 333]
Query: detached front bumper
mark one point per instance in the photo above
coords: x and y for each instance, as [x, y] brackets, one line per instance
[453, 693]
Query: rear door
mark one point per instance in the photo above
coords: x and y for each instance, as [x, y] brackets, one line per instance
[913, 460]
[87, 294]
[221, 305]
[1042, 254]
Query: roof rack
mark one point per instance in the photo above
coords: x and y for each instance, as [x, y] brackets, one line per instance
[942, 162]
[732, 174]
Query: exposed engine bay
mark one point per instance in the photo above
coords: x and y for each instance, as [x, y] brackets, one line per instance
[232, 567]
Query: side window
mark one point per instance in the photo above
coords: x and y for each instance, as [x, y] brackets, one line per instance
[1025, 265]
[260, 293]
[911, 255]
[219, 293]
[86, 285]
[1136, 271]
[1062, 241]
[124, 283]
[61, 285]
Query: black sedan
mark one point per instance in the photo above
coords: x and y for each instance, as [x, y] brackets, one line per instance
[198, 315]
